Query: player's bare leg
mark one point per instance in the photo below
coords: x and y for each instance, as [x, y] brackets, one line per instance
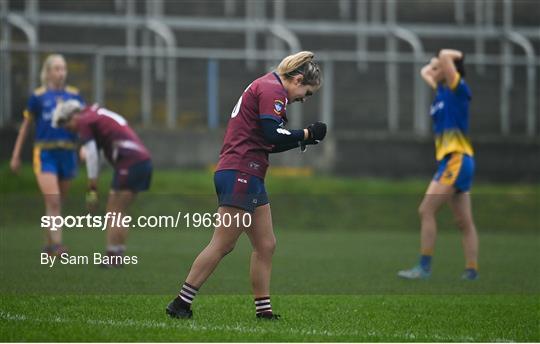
[223, 241]
[118, 202]
[436, 196]
[64, 186]
[49, 186]
[263, 241]
[462, 209]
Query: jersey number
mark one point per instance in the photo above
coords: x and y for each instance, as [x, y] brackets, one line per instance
[236, 108]
[119, 119]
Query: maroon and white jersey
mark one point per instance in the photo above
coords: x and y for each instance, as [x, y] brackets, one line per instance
[120, 144]
[244, 147]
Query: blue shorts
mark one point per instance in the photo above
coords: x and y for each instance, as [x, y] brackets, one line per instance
[240, 190]
[136, 177]
[457, 170]
[59, 161]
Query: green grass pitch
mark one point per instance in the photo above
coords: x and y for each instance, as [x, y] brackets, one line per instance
[334, 276]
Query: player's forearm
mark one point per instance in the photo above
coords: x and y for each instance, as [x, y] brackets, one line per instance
[276, 135]
[21, 137]
[92, 161]
[427, 75]
[285, 147]
[450, 54]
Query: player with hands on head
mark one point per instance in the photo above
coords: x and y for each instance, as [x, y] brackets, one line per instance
[101, 129]
[256, 129]
[452, 181]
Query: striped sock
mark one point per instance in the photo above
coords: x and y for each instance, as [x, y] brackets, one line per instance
[115, 250]
[187, 294]
[262, 305]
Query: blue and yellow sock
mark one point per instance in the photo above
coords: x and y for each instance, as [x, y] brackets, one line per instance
[425, 260]
[471, 271]
[472, 268]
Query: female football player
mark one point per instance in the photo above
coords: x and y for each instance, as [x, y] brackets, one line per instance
[99, 128]
[452, 181]
[55, 157]
[255, 129]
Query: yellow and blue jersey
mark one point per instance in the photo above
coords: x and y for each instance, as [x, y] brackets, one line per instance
[450, 114]
[40, 108]
[54, 148]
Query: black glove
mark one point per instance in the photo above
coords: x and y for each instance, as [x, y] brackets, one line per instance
[304, 143]
[317, 131]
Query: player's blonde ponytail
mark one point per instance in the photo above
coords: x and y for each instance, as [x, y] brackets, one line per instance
[301, 63]
[44, 75]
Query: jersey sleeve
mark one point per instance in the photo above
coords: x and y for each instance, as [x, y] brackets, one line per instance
[272, 105]
[33, 107]
[276, 134]
[74, 93]
[461, 90]
[457, 81]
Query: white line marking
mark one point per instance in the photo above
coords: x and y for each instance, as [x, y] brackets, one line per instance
[236, 328]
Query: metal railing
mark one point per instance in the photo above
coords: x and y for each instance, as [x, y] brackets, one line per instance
[285, 32]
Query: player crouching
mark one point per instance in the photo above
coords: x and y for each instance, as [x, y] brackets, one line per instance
[101, 129]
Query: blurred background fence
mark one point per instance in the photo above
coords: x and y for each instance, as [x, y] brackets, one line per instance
[176, 68]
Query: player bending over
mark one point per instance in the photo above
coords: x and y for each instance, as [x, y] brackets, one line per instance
[255, 129]
[453, 179]
[99, 128]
